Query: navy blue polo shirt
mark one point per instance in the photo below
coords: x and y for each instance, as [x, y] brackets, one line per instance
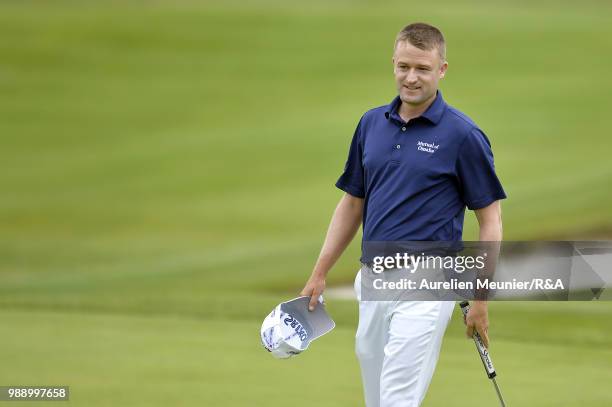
[416, 178]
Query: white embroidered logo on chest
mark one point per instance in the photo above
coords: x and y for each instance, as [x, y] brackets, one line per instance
[427, 147]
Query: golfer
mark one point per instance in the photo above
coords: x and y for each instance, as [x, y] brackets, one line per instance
[413, 167]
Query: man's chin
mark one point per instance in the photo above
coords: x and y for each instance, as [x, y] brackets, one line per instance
[412, 99]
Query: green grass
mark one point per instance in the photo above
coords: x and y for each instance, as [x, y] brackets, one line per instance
[130, 359]
[167, 178]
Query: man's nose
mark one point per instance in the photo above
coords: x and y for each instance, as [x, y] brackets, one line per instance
[411, 76]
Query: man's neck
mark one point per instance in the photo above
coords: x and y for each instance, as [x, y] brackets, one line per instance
[408, 112]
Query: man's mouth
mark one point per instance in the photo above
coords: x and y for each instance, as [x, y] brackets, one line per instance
[412, 87]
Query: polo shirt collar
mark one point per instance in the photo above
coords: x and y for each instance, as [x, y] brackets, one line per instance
[433, 113]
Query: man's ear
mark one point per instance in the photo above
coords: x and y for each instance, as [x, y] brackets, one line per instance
[443, 69]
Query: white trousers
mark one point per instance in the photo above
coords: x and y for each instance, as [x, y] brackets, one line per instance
[398, 344]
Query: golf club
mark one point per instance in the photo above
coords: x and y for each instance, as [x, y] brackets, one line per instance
[484, 355]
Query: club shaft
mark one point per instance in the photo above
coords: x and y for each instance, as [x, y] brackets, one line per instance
[501, 398]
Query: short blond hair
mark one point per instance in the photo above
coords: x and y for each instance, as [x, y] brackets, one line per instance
[423, 36]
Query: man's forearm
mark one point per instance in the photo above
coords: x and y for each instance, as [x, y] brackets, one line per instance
[490, 233]
[342, 228]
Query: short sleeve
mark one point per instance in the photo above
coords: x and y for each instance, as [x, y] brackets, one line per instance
[352, 179]
[478, 181]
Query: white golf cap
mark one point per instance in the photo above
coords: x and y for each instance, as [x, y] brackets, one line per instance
[290, 327]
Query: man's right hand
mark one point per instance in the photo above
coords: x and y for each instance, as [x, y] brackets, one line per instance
[314, 288]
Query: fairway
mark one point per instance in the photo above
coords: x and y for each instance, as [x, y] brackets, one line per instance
[168, 174]
[149, 360]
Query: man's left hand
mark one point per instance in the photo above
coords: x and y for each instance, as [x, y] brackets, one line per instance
[477, 319]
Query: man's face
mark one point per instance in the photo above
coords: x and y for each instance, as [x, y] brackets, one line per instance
[417, 73]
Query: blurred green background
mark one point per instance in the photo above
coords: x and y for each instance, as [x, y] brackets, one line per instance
[167, 178]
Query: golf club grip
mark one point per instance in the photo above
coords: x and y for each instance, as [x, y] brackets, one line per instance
[482, 350]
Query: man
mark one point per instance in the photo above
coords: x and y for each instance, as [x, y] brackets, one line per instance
[413, 167]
